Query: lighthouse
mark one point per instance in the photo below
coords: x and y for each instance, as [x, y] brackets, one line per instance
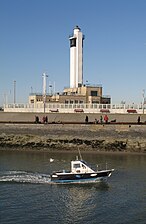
[76, 58]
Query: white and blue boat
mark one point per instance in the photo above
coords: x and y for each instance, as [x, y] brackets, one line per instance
[81, 172]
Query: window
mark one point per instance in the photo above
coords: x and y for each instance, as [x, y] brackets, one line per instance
[77, 165]
[81, 101]
[71, 101]
[95, 101]
[83, 166]
[73, 42]
[94, 93]
[76, 101]
[66, 101]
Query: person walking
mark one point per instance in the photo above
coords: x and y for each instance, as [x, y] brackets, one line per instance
[101, 119]
[46, 119]
[106, 119]
[86, 119]
[138, 120]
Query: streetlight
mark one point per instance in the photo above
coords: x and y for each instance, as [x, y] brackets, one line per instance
[143, 99]
[14, 100]
[44, 90]
[50, 87]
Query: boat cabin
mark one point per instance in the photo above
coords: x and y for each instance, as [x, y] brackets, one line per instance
[80, 166]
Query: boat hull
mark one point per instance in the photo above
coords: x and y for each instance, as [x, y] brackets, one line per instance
[80, 177]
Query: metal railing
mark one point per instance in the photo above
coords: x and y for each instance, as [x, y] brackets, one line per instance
[88, 108]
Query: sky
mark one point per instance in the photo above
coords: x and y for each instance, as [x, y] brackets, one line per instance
[34, 38]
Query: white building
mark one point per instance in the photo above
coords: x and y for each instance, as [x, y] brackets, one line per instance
[76, 58]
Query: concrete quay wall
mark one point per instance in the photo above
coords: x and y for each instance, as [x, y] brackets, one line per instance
[67, 117]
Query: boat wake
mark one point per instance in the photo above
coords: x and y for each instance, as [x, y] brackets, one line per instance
[24, 177]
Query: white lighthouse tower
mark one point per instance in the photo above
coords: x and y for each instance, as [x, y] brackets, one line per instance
[76, 58]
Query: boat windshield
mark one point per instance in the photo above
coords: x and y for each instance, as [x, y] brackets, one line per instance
[85, 162]
[89, 165]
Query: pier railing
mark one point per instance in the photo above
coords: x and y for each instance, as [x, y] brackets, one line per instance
[76, 108]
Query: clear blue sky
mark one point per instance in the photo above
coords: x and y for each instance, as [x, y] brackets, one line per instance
[34, 39]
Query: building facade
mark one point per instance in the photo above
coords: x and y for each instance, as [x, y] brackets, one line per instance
[79, 95]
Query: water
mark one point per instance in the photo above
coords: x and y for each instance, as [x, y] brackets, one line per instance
[26, 195]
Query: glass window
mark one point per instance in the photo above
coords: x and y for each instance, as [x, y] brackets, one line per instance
[95, 101]
[77, 165]
[83, 166]
[73, 42]
[94, 93]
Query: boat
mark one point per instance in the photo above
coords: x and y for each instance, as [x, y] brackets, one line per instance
[81, 172]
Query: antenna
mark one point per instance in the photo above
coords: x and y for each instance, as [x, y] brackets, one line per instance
[54, 88]
[80, 154]
[31, 90]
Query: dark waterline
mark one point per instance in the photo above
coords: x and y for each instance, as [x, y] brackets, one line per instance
[27, 197]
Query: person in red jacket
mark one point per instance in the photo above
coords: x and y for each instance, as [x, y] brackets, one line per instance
[106, 119]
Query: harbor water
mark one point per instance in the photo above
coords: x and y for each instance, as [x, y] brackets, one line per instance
[27, 195]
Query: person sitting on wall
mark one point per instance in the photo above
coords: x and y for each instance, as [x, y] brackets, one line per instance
[113, 121]
[96, 121]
